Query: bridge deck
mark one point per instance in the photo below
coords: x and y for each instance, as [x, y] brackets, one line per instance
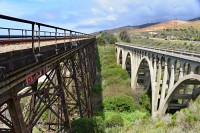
[10, 46]
[168, 52]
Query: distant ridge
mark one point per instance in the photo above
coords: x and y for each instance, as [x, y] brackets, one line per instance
[115, 30]
[194, 19]
[146, 25]
[155, 26]
[128, 28]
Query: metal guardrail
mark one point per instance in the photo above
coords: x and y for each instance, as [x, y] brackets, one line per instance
[187, 53]
[38, 35]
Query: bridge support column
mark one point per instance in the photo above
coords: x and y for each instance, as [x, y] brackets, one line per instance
[63, 100]
[118, 60]
[123, 59]
[84, 84]
[172, 75]
[157, 89]
[77, 88]
[181, 71]
[154, 91]
[133, 71]
[87, 84]
[155, 69]
[164, 84]
[16, 115]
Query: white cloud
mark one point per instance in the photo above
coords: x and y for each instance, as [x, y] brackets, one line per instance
[95, 21]
[117, 6]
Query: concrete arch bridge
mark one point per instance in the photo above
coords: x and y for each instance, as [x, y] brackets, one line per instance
[172, 76]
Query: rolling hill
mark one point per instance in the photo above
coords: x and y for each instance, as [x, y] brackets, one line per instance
[161, 26]
[195, 23]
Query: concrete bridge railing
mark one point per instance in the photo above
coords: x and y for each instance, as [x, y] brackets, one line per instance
[172, 76]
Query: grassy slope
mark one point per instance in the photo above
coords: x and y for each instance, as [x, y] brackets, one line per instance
[195, 24]
[113, 77]
[113, 80]
[187, 31]
[176, 45]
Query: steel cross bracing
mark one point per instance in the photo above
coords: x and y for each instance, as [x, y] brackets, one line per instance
[28, 104]
[51, 105]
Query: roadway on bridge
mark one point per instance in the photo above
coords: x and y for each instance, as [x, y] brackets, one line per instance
[10, 46]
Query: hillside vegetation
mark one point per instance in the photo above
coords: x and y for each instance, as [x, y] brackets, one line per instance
[117, 109]
[165, 44]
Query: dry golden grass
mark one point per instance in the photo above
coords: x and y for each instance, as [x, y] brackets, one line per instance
[117, 89]
[178, 24]
[161, 26]
[194, 24]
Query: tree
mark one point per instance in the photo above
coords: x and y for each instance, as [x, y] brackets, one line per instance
[112, 40]
[124, 36]
[100, 41]
[106, 38]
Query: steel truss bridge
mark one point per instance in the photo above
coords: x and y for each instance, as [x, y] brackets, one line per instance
[46, 77]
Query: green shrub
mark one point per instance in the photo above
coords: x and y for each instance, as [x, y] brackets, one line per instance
[100, 124]
[97, 88]
[119, 103]
[112, 40]
[145, 101]
[115, 120]
[100, 41]
[88, 125]
[83, 125]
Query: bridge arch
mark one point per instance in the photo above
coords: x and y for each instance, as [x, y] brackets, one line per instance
[116, 51]
[144, 62]
[175, 93]
[120, 57]
[144, 80]
[128, 63]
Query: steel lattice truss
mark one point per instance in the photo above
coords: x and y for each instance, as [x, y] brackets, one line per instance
[62, 96]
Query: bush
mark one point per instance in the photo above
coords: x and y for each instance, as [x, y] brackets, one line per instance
[145, 101]
[124, 36]
[115, 120]
[112, 40]
[100, 41]
[108, 38]
[88, 125]
[100, 124]
[119, 103]
[97, 88]
[83, 125]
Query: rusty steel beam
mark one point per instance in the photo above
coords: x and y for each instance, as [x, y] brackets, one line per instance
[63, 96]
[77, 87]
[63, 100]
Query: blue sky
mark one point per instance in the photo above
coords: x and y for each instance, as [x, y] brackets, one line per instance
[95, 15]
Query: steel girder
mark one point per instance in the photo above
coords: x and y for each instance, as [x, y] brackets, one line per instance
[51, 104]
